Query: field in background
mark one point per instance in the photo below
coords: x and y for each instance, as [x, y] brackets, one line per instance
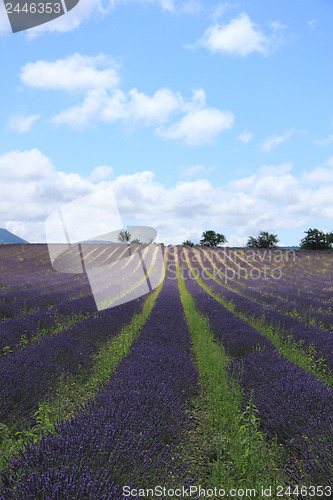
[219, 377]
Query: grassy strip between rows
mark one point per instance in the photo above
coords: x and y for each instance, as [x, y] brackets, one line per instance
[72, 390]
[288, 346]
[237, 453]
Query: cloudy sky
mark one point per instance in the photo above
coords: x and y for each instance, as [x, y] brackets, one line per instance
[196, 114]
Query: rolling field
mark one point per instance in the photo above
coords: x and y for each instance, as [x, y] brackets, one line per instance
[218, 383]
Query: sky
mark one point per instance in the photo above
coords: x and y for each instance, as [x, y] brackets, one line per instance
[198, 115]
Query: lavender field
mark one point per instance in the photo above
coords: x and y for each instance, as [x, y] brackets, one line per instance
[218, 383]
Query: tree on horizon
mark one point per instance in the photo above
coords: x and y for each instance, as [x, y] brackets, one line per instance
[263, 240]
[124, 236]
[188, 243]
[316, 240]
[212, 239]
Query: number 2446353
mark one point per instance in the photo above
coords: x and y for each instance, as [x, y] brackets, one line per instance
[33, 8]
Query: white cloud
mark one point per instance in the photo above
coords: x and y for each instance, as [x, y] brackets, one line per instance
[152, 110]
[272, 197]
[325, 142]
[264, 172]
[267, 188]
[136, 109]
[104, 102]
[24, 166]
[321, 174]
[240, 37]
[245, 137]
[199, 127]
[274, 141]
[97, 106]
[31, 188]
[197, 102]
[101, 173]
[75, 72]
[22, 123]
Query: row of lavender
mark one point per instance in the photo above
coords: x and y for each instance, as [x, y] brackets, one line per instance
[35, 285]
[286, 325]
[29, 375]
[32, 372]
[127, 434]
[50, 296]
[299, 288]
[47, 288]
[299, 267]
[15, 304]
[51, 310]
[293, 405]
[299, 272]
[30, 262]
[16, 332]
[300, 303]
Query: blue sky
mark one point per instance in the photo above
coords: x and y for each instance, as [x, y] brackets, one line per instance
[198, 115]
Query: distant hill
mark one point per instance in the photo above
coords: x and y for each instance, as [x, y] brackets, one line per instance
[8, 237]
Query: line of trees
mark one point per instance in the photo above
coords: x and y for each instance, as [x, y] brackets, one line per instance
[317, 240]
[314, 240]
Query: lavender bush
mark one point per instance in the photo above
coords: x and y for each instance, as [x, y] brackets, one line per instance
[128, 433]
